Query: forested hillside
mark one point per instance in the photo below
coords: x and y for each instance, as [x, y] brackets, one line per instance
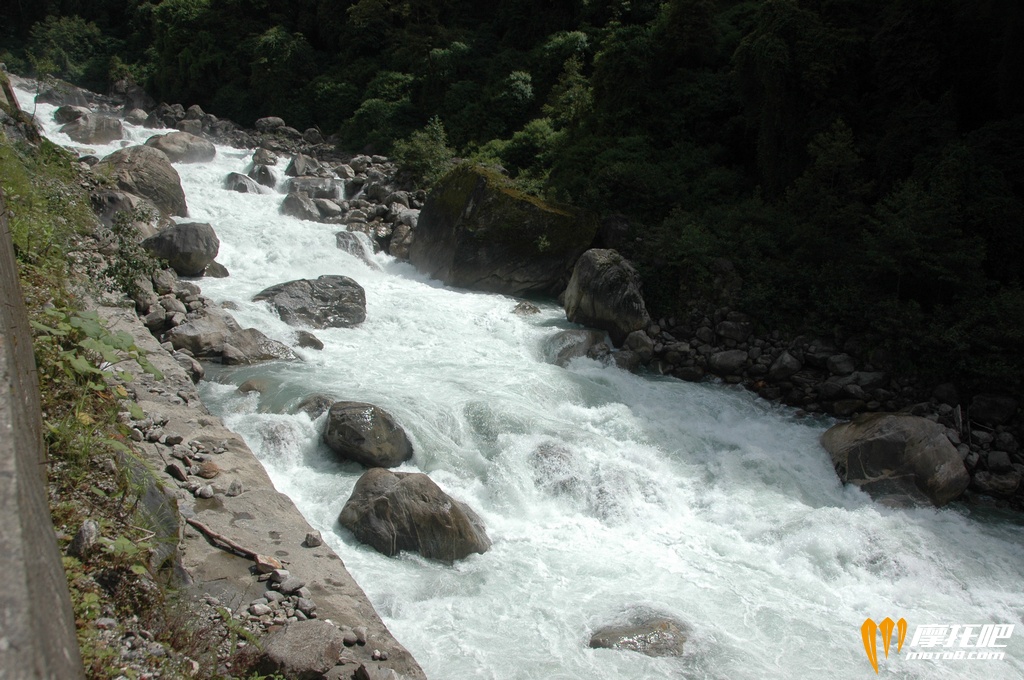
[846, 167]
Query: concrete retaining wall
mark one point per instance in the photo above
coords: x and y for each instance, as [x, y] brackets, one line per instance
[37, 628]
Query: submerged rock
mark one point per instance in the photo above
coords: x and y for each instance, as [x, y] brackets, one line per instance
[396, 511]
[646, 633]
[564, 346]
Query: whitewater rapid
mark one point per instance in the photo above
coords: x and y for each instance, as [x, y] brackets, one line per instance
[693, 500]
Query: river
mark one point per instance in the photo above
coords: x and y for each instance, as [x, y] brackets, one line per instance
[698, 501]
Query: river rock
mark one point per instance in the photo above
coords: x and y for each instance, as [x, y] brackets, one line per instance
[263, 175]
[302, 166]
[785, 366]
[188, 247]
[243, 184]
[329, 301]
[353, 244]
[564, 346]
[301, 649]
[729, 362]
[993, 409]
[396, 511]
[250, 346]
[604, 293]
[60, 93]
[92, 128]
[299, 204]
[1002, 485]
[478, 232]
[307, 340]
[66, 114]
[269, 124]
[894, 455]
[147, 172]
[182, 147]
[205, 333]
[366, 434]
[646, 633]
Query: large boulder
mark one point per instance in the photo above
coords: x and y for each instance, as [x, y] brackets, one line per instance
[330, 301]
[299, 204]
[301, 649]
[251, 346]
[147, 172]
[647, 633]
[91, 128]
[396, 511]
[604, 292]
[204, 333]
[182, 147]
[897, 458]
[475, 231]
[366, 434]
[236, 181]
[188, 247]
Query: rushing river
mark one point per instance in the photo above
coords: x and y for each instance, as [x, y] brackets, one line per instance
[694, 500]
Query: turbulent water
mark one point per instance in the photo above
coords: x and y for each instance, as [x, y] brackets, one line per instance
[695, 501]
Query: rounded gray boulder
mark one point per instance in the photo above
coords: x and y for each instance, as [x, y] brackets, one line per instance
[366, 434]
[188, 247]
[183, 147]
[329, 301]
[396, 511]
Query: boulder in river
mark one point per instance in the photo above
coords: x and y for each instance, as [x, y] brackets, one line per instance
[478, 232]
[188, 247]
[250, 346]
[146, 172]
[604, 292]
[330, 301]
[645, 632]
[564, 346]
[396, 511]
[182, 147]
[91, 128]
[243, 184]
[897, 458]
[366, 434]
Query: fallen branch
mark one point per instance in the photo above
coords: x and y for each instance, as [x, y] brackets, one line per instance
[224, 541]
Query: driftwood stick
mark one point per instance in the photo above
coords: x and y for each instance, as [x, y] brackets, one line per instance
[224, 541]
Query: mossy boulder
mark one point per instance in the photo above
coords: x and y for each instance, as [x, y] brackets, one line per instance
[477, 231]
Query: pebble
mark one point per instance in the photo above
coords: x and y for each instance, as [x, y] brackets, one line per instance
[106, 623]
[235, 489]
[313, 539]
[279, 575]
[204, 491]
[173, 439]
[259, 610]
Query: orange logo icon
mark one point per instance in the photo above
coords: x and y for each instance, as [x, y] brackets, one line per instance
[869, 631]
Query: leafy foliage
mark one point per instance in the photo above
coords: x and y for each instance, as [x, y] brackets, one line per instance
[855, 165]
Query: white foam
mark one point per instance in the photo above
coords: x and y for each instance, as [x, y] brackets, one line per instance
[694, 500]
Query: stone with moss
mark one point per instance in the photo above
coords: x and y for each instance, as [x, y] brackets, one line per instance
[478, 231]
